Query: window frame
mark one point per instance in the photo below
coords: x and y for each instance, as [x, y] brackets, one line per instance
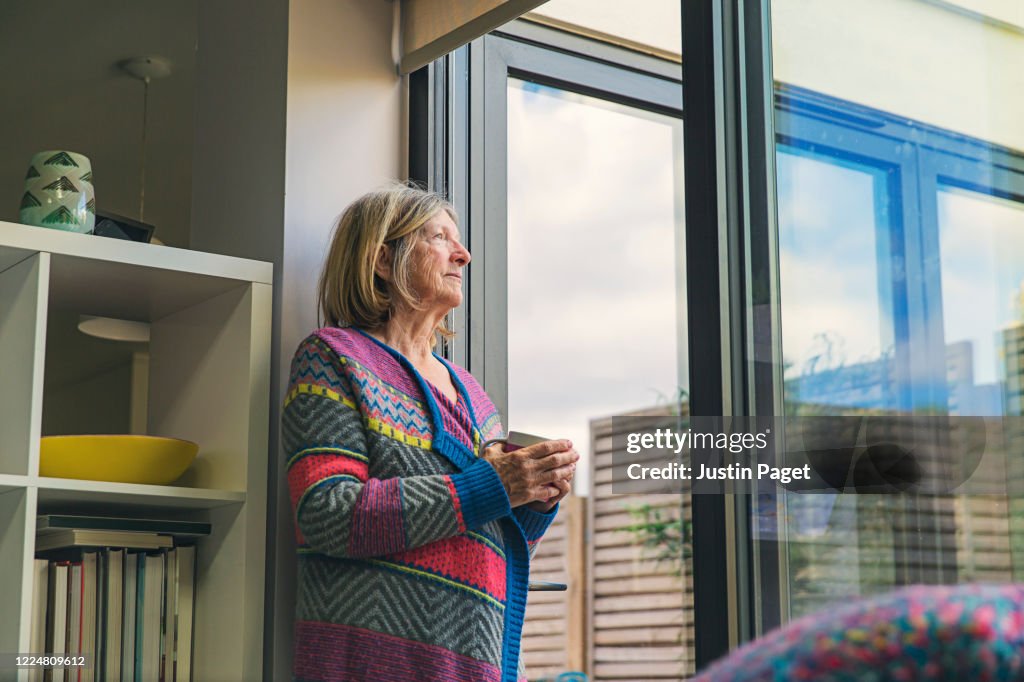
[728, 133]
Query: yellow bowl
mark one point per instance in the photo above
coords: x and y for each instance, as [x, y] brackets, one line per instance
[123, 459]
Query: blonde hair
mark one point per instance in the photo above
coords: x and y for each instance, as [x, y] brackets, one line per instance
[350, 293]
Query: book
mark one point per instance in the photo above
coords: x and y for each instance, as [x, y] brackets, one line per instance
[132, 613]
[73, 645]
[131, 572]
[101, 538]
[184, 625]
[50, 523]
[37, 642]
[170, 608]
[140, 561]
[99, 646]
[113, 614]
[90, 580]
[152, 609]
[56, 614]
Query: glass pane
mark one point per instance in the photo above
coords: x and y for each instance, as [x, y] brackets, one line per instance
[900, 189]
[652, 26]
[597, 327]
[981, 243]
[831, 225]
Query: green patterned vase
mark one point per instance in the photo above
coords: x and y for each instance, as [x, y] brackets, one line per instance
[59, 192]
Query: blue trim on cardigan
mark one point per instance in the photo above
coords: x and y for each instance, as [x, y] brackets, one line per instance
[517, 562]
[534, 523]
[481, 494]
[517, 579]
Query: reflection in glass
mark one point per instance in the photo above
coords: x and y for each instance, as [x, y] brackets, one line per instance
[901, 272]
[981, 243]
[830, 224]
[596, 327]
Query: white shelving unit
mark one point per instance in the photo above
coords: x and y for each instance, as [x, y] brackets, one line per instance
[209, 382]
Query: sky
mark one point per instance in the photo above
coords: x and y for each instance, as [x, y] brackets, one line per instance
[981, 241]
[594, 254]
[827, 237]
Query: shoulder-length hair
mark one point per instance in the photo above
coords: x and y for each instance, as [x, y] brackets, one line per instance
[350, 293]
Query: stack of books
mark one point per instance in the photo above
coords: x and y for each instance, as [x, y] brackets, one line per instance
[119, 591]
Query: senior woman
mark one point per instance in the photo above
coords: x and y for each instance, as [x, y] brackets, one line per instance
[414, 540]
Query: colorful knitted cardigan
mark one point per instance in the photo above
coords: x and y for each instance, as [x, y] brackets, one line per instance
[412, 565]
[957, 633]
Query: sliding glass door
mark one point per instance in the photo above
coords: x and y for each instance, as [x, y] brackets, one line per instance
[900, 193]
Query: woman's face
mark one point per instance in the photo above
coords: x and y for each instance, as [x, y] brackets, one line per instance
[438, 260]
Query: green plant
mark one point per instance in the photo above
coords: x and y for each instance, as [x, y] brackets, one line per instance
[678, 404]
[671, 539]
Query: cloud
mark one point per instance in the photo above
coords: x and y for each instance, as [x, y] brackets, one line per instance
[828, 262]
[593, 255]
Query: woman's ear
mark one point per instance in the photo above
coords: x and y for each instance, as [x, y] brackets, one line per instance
[382, 268]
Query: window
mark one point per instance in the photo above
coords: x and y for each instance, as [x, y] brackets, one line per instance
[577, 310]
[900, 190]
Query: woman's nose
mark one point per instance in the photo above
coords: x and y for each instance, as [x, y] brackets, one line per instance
[461, 255]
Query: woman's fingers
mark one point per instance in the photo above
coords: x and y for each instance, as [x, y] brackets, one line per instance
[564, 473]
[545, 448]
[559, 459]
[558, 490]
[492, 451]
[561, 486]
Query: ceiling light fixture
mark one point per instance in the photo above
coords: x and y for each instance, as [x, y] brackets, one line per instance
[145, 69]
[113, 329]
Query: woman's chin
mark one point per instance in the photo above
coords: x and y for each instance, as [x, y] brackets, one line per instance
[452, 296]
[445, 300]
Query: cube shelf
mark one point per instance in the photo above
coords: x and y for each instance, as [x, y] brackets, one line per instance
[208, 381]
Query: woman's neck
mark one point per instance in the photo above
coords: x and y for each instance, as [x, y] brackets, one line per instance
[409, 334]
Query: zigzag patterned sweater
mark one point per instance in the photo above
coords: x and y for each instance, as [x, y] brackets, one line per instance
[412, 565]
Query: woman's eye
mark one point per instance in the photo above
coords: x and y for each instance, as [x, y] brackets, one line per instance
[439, 235]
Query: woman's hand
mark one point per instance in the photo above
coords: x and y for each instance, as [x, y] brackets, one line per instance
[528, 472]
[562, 487]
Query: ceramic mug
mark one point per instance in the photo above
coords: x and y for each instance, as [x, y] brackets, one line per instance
[59, 192]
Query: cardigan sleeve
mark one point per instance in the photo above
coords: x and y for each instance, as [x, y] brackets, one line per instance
[339, 509]
[534, 524]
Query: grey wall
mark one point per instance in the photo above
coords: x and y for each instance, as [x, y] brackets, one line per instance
[97, 404]
[87, 383]
[62, 90]
[239, 145]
